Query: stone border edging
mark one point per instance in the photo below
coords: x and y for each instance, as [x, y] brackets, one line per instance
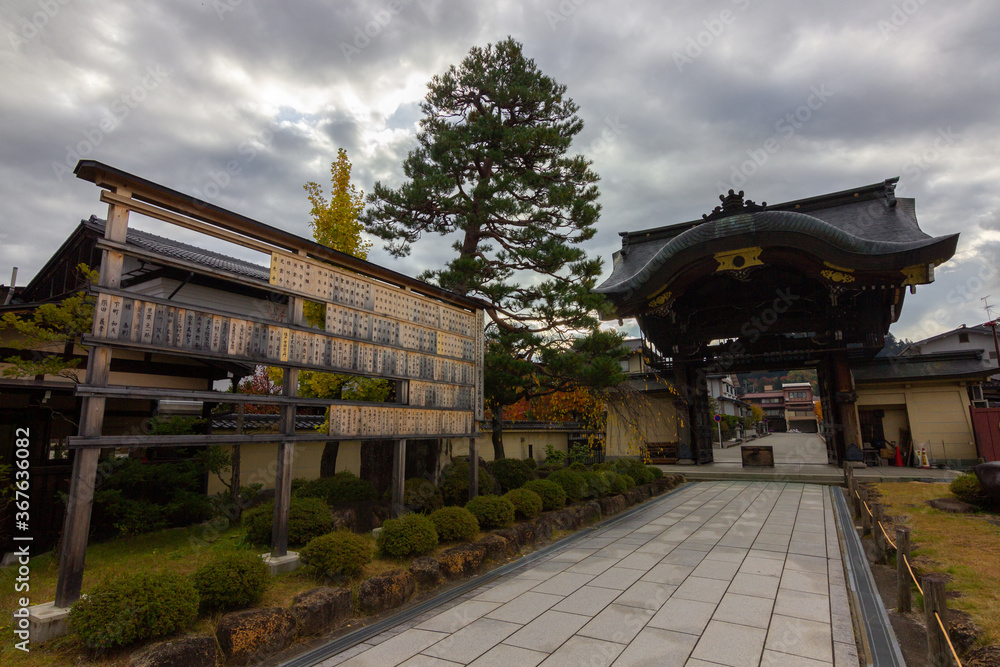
[361, 634]
[879, 637]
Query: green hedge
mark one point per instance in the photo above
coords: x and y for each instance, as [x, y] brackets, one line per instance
[598, 485]
[455, 524]
[527, 504]
[409, 535]
[571, 481]
[491, 511]
[232, 581]
[553, 496]
[307, 518]
[968, 488]
[454, 483]
[340, 552]
[343, 487]
[134, 607]
[511, 473]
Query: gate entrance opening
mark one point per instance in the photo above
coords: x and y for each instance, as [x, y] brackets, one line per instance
[811, 283]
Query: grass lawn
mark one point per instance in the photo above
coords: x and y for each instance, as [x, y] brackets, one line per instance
[181, 550]
[965, 546]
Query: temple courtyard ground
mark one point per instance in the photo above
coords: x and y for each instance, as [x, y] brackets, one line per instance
[725, 572]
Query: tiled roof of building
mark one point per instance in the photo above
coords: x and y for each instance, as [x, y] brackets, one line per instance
[967, 364]
[171, 248]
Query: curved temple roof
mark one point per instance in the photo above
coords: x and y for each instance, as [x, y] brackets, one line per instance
[866, 229]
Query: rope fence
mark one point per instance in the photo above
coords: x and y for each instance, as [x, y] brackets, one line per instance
[940, 650]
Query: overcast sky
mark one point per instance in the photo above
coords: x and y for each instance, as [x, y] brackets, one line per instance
[678, 98]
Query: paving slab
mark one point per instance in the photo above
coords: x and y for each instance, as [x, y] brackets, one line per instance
[730, 572]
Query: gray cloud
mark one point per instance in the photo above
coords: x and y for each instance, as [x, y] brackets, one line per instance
[676, 98]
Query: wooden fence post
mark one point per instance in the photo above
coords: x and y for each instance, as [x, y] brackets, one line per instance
[856, 497]
[903, 597]
[866, 519]
[938, 653]
[880, 545]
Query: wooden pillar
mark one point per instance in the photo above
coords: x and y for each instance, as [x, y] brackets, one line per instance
[473, 468]
[76, 527]
[938, 653]
[286, 448]
[847, 427]
[903, 597]
[398, 477]
[685, 429]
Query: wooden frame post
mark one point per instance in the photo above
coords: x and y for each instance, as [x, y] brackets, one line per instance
[903, 590]
[76, 527]
[398, 477]
[286, 449]
[473, 468]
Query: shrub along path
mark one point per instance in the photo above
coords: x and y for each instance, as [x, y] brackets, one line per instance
[730, 573]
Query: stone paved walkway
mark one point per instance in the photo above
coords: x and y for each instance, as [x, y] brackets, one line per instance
[720, 573]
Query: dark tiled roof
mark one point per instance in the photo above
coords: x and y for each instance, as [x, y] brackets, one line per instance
[170, 248]
[874, 226]
[944, 365]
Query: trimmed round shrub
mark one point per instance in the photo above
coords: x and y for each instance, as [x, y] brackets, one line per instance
[571, 481]
[527, 504]
[968, 488]
[646, 475]
[629, 481]
[409, 535]
[553, 496]
[577, 466]
[420, 495]
[629, 466]
[616, 482]
[455, 524]
[134, 607]
[232, 581]
[656, 472]
[491, 511]
[455, 482]
[510, 473]
[339, 552]
[597, 485]
[531, 463]
[307, 518]
[343, 487]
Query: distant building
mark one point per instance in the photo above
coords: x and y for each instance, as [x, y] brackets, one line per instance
[799, 407]
[962, 339]
[772, 402]
[723, 389]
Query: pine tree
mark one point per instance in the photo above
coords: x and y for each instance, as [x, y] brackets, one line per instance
[492, 168]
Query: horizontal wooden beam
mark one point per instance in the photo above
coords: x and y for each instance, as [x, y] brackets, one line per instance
[118, 391]
[166, 198]
[133, 441]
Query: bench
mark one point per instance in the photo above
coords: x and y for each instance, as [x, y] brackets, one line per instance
[757, 455]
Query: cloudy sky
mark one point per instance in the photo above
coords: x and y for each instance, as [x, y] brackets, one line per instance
[678, 98]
